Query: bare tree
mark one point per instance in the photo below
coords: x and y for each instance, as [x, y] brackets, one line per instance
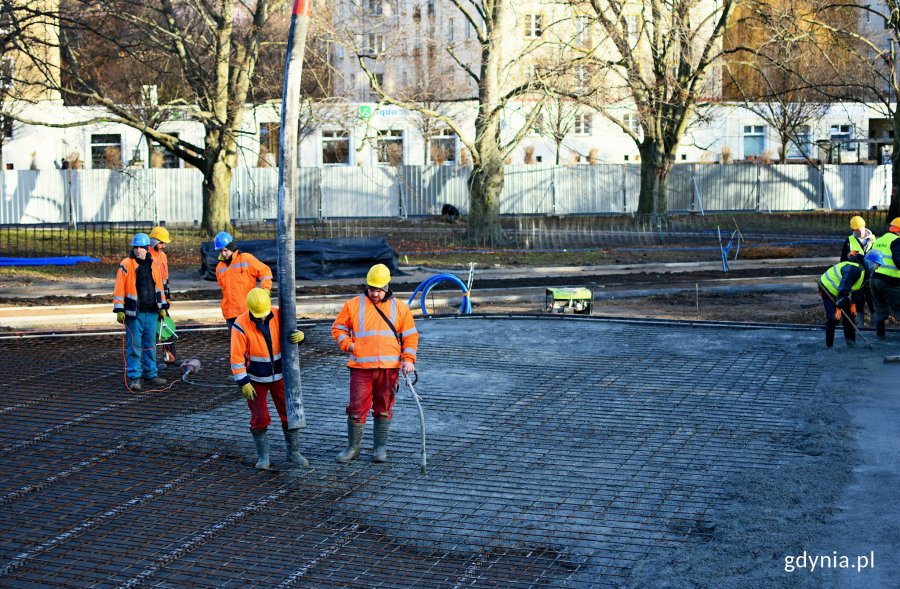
[203, 56]
[493, 22]
[658, 58]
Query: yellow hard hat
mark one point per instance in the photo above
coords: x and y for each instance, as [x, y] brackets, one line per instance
[857, 222]
[379, 276]
[895, 222]
[160, 234]
[259, 302]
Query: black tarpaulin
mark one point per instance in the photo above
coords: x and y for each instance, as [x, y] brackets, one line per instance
[314, 259]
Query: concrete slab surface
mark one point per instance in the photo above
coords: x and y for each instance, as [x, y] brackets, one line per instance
[562, 452]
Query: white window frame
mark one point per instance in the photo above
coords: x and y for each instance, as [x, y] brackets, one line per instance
[336, 136]
[534, 25]
[753, 131]
[633, 122]
[384, 139]
[843, 134]
[582, 123]
[376, 42]
[97, 143]
[805, 148]
[451, 31]
[581, 36]
[632, 29]
[443, 137]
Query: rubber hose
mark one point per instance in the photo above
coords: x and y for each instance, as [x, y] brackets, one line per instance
[425, 287]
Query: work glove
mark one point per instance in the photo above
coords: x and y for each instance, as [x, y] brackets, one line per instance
[120, 317]
[297, 338]
[162, 313]
[248, 391]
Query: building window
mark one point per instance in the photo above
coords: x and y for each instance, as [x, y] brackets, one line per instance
[376, 8]
[336, 147]
[430, 7]
[7, 125]
[376, 43]
[450, 30]
[801, 145]
[581, 124]
[579, 78]
[7, 69]
[582, 36]
[754, 140]
[106, 151]
[631, 29]
[534, 26]
[468, 29]
[390, 147]
[269, 138]
[443, 147]
[160, 157]
[842, 137]
[633, 123]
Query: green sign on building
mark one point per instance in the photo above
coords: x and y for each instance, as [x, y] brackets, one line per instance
[365, 111]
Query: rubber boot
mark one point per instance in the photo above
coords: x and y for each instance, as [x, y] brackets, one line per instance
[880, 329]
[354, 439]
[382, 426]
[829, 334]
[261, 439]
[292, 441]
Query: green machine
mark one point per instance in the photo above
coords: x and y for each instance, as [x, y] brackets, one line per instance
[578, 300]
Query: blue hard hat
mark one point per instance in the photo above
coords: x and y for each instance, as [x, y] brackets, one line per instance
[872, 258]
[222, 239]
[140, 240]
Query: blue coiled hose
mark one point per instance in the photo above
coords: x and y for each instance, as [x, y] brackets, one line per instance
[429, 283]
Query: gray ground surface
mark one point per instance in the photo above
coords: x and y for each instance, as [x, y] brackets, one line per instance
[562, 452]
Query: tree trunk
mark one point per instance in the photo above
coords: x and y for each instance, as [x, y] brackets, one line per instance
[485, 186]
[894, 207]
[216, 205]
[655, 168]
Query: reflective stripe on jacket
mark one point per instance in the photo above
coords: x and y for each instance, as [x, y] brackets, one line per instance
[125, 295]
[255, 355]
[374, 345]
[883, 244]
[162, 262]
[239, 277]
[833, 277]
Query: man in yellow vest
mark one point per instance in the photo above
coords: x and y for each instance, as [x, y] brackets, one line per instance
[885, 282]
[379, 334]
[860, 240]
[841, 290]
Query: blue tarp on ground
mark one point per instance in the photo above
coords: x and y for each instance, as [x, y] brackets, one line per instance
[60, 261]
[314, 259]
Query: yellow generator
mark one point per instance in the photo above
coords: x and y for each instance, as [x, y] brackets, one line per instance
[579, 300]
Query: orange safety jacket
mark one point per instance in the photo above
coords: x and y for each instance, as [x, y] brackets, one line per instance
[125, 295]
[162, 262]
[373, 343]
[239, 277]
[255, 354]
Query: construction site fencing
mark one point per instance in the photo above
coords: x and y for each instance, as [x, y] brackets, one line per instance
[175, 195]
[432, 234]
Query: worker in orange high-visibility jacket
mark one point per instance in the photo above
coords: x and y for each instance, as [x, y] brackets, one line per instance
[237, 273]
[380, 346]
[139, 302]
[256, 367]
[159, 240]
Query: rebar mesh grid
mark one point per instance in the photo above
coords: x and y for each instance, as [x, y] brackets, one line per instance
[560, 453]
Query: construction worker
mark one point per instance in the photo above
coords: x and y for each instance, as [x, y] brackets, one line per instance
[237, 273]
[256, 366]
[860, 240]
[139, 302]
[841, 290]
[159, 239]
[379, 333]
[885, 282]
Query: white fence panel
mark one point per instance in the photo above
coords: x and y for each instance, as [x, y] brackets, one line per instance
[527, 190]
[426, 189]
[371, 191]
[34, 196]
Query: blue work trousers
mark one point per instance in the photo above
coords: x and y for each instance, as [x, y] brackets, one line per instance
[140, 344]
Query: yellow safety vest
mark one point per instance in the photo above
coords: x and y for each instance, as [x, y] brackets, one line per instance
[831, 280]
[889, 266]
[857, 246]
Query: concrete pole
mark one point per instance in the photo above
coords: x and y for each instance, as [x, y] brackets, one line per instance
[287, 194]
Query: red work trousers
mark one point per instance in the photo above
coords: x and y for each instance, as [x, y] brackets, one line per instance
[259, 409]
[372, 388]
